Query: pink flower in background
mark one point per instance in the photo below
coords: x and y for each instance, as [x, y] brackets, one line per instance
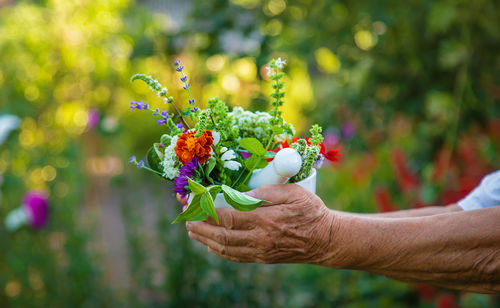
[331, 140]
[36, 204]
[34, 211]
[347, 130]
[93, 119]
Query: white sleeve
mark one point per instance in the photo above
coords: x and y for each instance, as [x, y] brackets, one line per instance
[485, 195]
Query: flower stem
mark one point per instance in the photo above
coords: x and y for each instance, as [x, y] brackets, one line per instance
[154, 171]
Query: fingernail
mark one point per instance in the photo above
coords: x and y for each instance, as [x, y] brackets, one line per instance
[184, 208]
[250, 193]
[188, 225]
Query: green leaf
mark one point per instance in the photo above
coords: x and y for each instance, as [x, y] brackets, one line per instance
[214, 190]
[159, 150]
[210, 167]
[207, 204]
[253, 146]
[243, 188]
[239, 200]
[277, 130]
[196, 188]
[193, 212]
[255, 162]
[154, 160]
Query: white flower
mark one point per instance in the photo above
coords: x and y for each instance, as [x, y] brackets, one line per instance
[268, 68]
[216, 137]
[232, 165]
[280, 63]
[170, 161]
[259, 132]
[223, 149]
[228, 155]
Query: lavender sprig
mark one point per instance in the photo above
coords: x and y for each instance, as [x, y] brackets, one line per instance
[164, 115]
[187, 85]
[141, 165]
[161, 92]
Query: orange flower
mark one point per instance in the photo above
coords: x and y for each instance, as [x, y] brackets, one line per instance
[188, 146]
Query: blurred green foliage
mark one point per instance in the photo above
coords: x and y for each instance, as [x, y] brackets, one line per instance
[409, 91]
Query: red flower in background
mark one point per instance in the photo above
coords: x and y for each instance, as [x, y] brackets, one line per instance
[425, 291]
[446, 300]
[384, 200]
[406, 180]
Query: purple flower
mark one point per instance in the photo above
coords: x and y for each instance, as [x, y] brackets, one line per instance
[164, 114]
[179, 68]
[140, 164]
[184, 78]
[93, 118]
[194, 109]
[185, 172]
[179, 125]
[157, 112]
[132, 160]
[177, 63]
[161, 121]
[246, 155]
[347, 130]
[191, 101]
[36, 205]
[138, 105]
[186, 86]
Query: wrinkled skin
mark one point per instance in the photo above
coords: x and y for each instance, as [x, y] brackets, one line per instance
[291, 229]
[441, 245]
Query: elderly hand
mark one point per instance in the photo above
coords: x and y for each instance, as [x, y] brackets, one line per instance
[295, 228]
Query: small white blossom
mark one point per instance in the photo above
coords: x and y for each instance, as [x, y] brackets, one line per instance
[232, 165]
[170, 161]
[216, 137]
[280, 63]
[223, 149]
[269, 70]
[259, 132]
[229, 155]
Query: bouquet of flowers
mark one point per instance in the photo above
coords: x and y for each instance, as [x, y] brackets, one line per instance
[214, 155]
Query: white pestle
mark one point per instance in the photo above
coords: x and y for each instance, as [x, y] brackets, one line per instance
[285, 164]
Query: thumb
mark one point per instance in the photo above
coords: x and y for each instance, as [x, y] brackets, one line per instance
[278, 193]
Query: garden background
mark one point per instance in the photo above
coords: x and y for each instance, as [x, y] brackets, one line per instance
[409, 92]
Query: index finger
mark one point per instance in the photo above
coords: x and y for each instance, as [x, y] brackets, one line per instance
[233, 219]
[278, 193]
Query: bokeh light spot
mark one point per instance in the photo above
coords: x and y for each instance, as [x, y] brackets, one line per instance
[327, 60]
[12, 288]
[31, 93]
[365, 40]
[379, 28]
[49, 173]
[215, 63]
[248, 4]
[26, 138]
[272, 28]
[230, 83]
[275, 7]
[245, 69]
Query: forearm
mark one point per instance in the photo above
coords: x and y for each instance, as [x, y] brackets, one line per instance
[425, 211]
[458, 250]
